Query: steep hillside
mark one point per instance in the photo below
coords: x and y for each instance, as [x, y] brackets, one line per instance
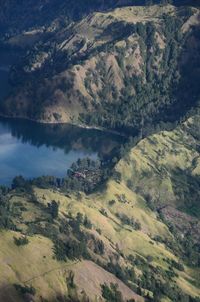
[37, 13]
[165, 167]
[165, 170]
[111, 230]
[59, 244]
[122, 69]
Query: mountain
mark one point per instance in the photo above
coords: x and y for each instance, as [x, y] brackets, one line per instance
[140, 231]
[120, 229]
[120, 69]
[42, 13]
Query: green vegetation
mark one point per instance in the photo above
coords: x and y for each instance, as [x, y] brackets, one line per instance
[112, 293]
[25, 289]
[136, 74]
[31, 15]
[21, 241]
[156, 103]
[84, 175]
[156, 269]
[53, 209]
[129, 221]
[120, 230]
[160, 255]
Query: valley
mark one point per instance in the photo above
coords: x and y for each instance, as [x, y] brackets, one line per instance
[99, 151]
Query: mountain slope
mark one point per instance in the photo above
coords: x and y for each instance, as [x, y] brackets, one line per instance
[35, 14]
[121, 69]
[164, 169]
[118, 231]
[166, 166]
[124, 230]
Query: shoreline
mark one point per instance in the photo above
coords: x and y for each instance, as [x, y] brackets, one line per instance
[83, 126]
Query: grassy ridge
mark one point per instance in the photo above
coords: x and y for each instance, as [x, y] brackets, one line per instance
[121, 224]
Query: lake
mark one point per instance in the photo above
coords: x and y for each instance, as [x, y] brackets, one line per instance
[31, 149]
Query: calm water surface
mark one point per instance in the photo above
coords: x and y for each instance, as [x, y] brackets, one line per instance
[31, 150]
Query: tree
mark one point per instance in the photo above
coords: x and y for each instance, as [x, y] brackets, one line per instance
[112, 293]
[18, 182]
[21, 241]
[53, 209]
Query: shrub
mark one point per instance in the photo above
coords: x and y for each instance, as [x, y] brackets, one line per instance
[21, 241]
[25, 289]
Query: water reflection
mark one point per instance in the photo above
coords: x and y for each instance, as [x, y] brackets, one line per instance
[63, 136]
[31, 149]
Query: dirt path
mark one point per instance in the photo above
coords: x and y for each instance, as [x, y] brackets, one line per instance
[43, 274]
